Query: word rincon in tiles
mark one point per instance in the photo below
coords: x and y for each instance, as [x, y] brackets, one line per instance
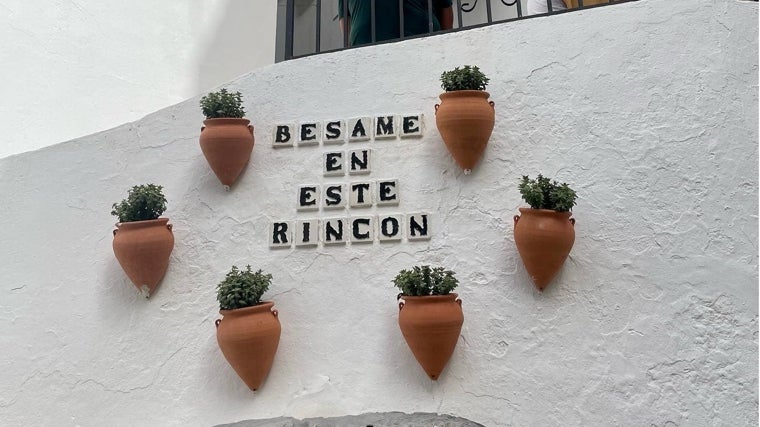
[354, 229]
[335, 132]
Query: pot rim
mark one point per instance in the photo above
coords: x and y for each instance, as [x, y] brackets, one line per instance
[452, 296]
[142, 224]
[464, 94]
[261, 306]
[545, 212]
[226, 121]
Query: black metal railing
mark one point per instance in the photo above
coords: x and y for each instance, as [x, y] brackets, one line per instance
[312, 43]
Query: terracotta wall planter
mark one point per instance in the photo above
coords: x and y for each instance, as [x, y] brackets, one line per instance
[465, 120]
[248, 338]
[227, 146]
[544, 239]
[143, 248]
[431, 327]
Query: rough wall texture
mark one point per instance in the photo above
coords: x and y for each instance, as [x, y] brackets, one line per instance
[649, 109]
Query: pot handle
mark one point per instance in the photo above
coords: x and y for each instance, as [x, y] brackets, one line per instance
[572, 221]
[491, 103]
[217, 322]
[250, 129]
[114, 232]
[459, 301]
[169, 226]
[516, 218]
[275, 312]
[203, 127]
[436, 108]
[401, 304]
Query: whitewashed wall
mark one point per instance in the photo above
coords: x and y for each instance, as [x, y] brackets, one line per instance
[649, 109]
[71, 68]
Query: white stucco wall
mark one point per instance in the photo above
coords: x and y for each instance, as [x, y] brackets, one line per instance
[649, 110]
[71, 68]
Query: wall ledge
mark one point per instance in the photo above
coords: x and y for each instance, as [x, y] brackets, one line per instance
[374, 419]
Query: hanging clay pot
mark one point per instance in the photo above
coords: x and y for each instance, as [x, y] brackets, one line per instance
[544, 238]
[465, 120]
[431, 327]
[143, 248]
[248, 338]
[227, 146]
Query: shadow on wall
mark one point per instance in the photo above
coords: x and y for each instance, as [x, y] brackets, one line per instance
[243, 39]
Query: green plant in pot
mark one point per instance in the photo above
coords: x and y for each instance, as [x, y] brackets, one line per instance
[249, 331]
[226, 137]
[430, 316]
[142, 241]
[465, 117]
[545, 232]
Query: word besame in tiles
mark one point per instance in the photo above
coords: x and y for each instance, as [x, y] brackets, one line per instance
[351, 130]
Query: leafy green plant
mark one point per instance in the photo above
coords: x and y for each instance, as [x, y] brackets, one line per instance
[542, 193]
[465, 78]
[223, 104]
[423, 280]
[242, 288]
[144, 202]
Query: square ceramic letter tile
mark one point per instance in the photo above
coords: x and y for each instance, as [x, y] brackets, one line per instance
[387, 193]
[386, 127]
[359, 162]
[334, 196]
[359, 129]
[307, 232]
[334, 231]
[334, 132]
[280, 234]
[283, 135]
[307, 198]
[333, 163]
[418, 226]
[360, 194]
[390, 228]
[362, 229]
[309, 133]
[411, 125]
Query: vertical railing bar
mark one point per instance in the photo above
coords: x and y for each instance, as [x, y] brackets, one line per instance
[345, 23]
[488, 11]
[459, 12]
[519, 8]
[549, 6]
[401, 18]
[580, 4]
[319, 24]
[430, 16]
[372, 20]
[289, 28]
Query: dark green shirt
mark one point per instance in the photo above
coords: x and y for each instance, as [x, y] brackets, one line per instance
[387, 23]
